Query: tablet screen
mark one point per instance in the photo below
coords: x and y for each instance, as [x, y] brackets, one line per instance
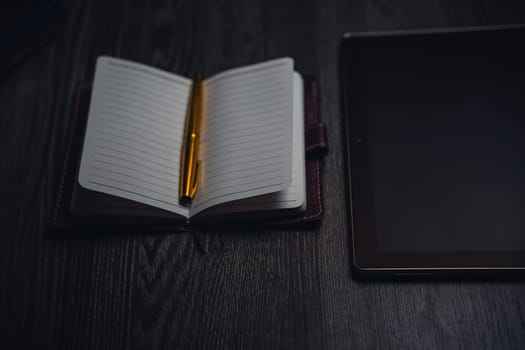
[445, 134]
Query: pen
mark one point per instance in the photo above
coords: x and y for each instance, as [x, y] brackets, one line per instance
[190, 164]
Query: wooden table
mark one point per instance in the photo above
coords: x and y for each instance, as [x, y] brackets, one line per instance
[271, 289]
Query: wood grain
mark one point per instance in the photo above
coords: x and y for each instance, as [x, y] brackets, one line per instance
[269, 289]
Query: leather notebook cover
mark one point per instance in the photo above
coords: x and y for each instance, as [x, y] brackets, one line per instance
[79, 209]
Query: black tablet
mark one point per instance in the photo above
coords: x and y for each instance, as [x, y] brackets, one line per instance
[435, 151]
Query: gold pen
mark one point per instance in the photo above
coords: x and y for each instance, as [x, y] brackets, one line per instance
[189, 162]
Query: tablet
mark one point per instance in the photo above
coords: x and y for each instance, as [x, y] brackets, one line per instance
[434, 130]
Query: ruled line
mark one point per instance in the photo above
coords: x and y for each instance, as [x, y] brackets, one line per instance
[171, 94]
[224, 187]
[231, 164]
[134, 163]
[130, 113]
[172, 154]
[231, 127]
[149, 174]
[145, 122]
[165, 143]
[167, 150]
[254, 69]
[211, 183]
[148, 72]
[214, 116]
[127, 124]
[144, 104]
[133, 148]
[244, 112]
[209, 199]
[139, 109]
[156, 199]
[135, 185]
[211, 154]
[141, 179]
[138, 159]
[143, 81]
[279, 137]
[271, 75]
[216, 96]
[241, 152]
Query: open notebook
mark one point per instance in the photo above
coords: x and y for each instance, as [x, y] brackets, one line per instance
[252, 143]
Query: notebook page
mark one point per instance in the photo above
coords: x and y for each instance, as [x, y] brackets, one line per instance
[246, 143]
[294, 197]
[134, 133]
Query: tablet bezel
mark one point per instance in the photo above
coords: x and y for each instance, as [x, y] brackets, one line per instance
[367, 259]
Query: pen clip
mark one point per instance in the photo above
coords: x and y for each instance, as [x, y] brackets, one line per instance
[195, 179]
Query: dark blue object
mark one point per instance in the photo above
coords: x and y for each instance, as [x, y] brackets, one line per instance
[25, 27]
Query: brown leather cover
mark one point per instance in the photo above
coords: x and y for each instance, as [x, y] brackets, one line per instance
[81, 210]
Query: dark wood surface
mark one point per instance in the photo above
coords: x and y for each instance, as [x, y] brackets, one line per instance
[271, 289]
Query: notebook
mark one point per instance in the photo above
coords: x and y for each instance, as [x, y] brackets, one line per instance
[252, 147]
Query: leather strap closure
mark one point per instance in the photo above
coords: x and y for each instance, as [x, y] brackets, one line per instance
[316, 141]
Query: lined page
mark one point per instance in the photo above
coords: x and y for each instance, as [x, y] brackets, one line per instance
[292, 198]
[246, 144]
[134, 133]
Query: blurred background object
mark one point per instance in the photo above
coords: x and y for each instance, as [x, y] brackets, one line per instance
[25, 26]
